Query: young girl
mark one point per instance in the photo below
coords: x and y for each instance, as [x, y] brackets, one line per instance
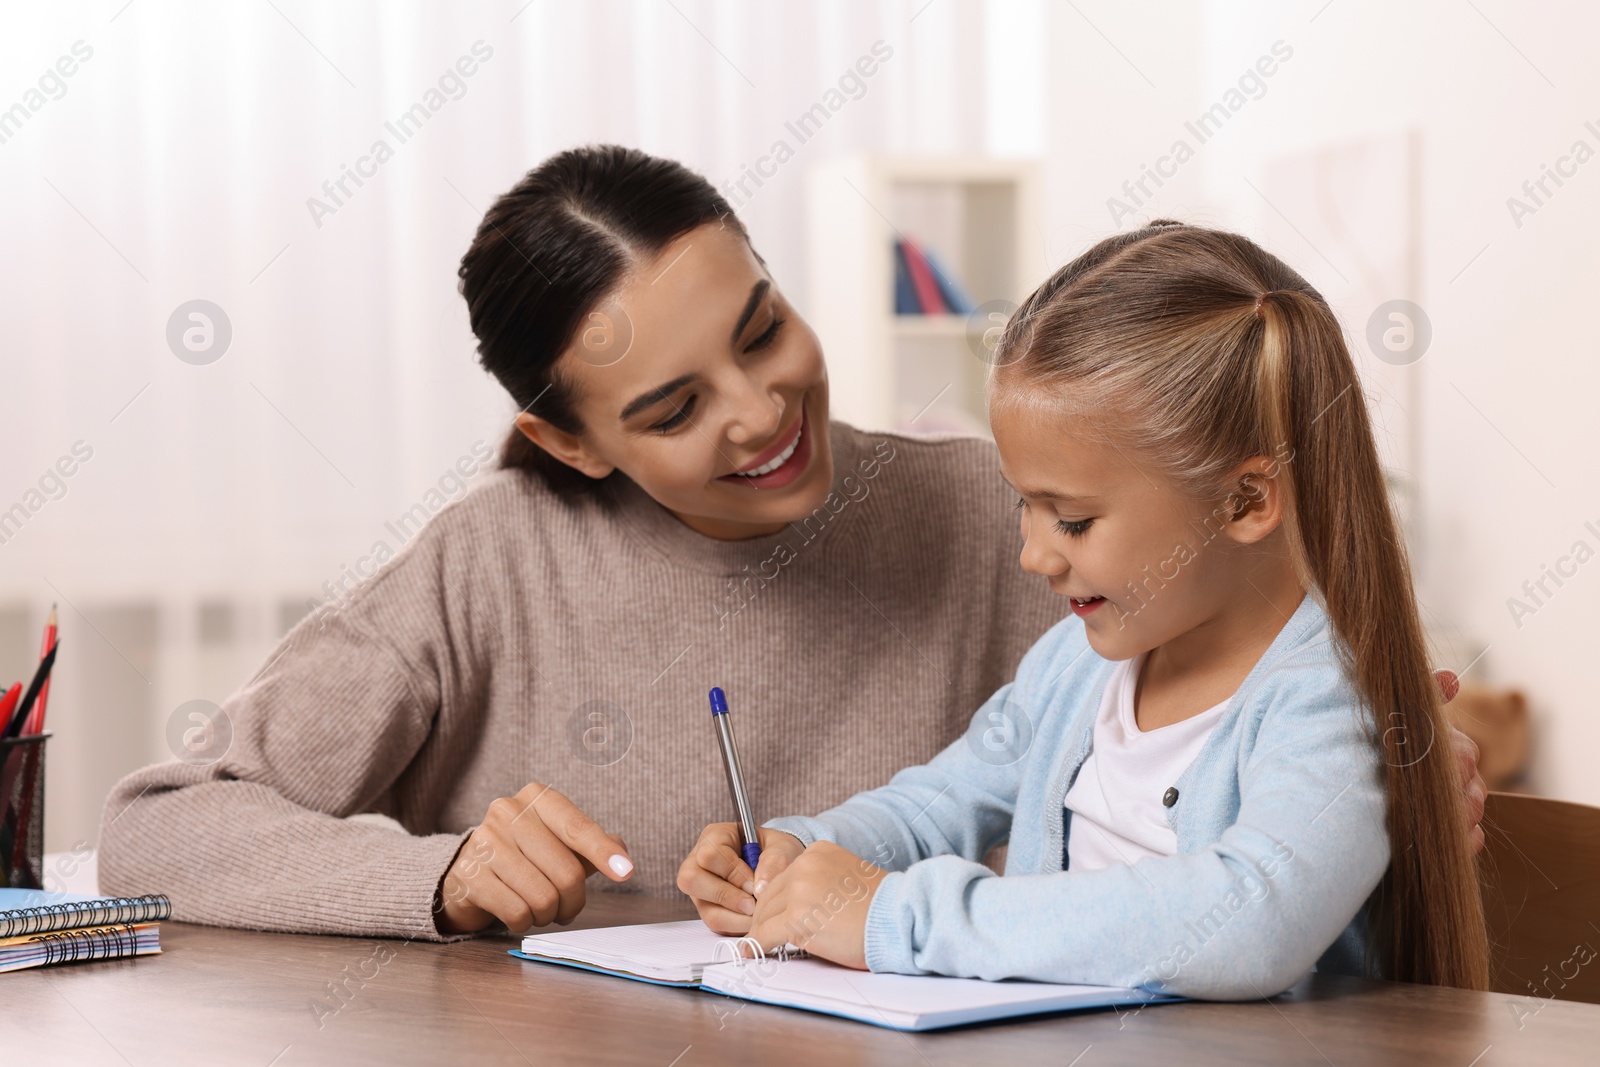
[1228, 766]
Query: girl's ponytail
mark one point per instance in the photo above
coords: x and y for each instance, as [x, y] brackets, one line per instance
[1426, 915]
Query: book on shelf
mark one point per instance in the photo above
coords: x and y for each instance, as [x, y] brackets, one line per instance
[929, 298]
[955, 296]
[923, 285]
[905, 294]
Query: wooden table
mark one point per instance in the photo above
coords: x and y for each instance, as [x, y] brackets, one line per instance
[234, 997]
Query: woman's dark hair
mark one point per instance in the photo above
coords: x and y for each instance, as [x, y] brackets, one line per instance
[549, 251]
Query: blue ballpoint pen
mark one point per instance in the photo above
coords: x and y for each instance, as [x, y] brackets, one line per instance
[751, 850]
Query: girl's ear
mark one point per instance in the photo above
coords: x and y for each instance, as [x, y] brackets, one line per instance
[569, 448]
[1255, 505]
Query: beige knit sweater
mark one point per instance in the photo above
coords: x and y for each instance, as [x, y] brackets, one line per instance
[523, 636]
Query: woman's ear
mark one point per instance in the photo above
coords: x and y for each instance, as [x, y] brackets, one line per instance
[1255, 504]
[569, 448]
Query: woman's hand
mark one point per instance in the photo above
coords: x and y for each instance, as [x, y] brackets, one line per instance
[1474, 790]
[820, 903]
[525, 864]
[722, 885]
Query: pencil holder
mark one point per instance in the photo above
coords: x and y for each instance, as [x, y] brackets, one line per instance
[22, 811]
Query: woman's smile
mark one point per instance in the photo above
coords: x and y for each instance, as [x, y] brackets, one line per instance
[779, 465]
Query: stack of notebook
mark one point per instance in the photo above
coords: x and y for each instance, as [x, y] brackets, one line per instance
[39, 928]
[689, 954]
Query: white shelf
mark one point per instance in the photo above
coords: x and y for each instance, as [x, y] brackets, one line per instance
[980, 216]
[930, 325]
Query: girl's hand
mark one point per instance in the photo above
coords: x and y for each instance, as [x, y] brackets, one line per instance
[525, 864]
[719, 881]
[819, 903]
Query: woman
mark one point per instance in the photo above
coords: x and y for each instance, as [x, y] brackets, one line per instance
[523, 687]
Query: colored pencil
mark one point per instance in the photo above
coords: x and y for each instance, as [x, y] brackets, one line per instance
[35, 723]
[8, 704]
[21, 714]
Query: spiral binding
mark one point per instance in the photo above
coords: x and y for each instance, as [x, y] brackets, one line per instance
[104, 943]
[19, 922]
[736, 946]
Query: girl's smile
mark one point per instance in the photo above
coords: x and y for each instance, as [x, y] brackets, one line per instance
[1085, 606]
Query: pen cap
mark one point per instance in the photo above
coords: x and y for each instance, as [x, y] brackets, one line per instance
[719, 702]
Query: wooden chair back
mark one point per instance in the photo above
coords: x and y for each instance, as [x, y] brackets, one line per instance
[1540, 875]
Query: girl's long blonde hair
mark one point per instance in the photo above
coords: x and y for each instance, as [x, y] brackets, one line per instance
[1210, 351]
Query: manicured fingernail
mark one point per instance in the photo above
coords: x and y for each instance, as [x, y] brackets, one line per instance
[749, 886]
[622, 865]
[747, 906]
[759, 886]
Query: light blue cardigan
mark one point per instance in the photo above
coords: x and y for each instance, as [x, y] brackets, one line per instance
[1279, 821]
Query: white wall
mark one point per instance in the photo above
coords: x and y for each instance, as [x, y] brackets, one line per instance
[1510, 435]
[1508, 430]
[179, 160]
[177, 164]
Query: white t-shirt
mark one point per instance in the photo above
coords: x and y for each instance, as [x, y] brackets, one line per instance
[1118, 814]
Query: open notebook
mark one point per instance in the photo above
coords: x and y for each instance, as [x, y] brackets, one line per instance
[688, 954]
[665, 953]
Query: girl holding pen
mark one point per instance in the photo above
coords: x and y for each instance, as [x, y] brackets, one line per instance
[1231, 769]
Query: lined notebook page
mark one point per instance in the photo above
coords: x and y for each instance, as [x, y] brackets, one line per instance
[902, 1001]
[690, 941]
[675, 951]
